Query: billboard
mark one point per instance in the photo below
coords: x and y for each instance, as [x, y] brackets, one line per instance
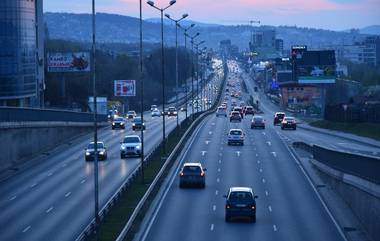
[316, 67]
[68, 62]
[125, 88]
[284, 76]
[101, 104]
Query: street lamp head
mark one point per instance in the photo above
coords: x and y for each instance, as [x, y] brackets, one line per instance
[172, 2]
[167, 15]
[151, 3]
[197, 34]
[185, 15]
[192, 25]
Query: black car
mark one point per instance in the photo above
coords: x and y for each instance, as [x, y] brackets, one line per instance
[235, 116]
[249, 110]
[171, 111]
[192, 174]
[241, 203]
[137, 124]
[289, 123]
[90, 151]
[258, 122]
[118, 122]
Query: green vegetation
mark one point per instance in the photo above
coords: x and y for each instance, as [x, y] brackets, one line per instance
[371, 130]
[367, 75]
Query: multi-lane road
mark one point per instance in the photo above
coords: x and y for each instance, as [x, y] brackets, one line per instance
[288, 207]
[54, 200]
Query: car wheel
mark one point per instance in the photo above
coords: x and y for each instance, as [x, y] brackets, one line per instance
[180, 185]
[227, 218]
[282, 128]
[113, 128]
[122, 156]
[203, 185]
[295, 128]
[253, 219]
[251, 127]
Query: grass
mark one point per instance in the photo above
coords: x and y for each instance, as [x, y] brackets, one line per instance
[371, 130]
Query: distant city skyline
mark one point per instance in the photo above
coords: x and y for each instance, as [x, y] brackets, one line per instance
[326, 14]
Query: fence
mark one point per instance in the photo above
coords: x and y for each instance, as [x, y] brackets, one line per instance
[353, 113]
[13, 114]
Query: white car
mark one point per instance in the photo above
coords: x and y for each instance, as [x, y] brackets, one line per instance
[130, 146]
[221, 111]
[156, 112]
[236, 136]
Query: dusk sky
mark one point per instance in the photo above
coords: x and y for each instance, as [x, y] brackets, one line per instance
[326, 14]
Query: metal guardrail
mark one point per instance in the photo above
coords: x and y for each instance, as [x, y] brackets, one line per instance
[15, 114]
[360, 165]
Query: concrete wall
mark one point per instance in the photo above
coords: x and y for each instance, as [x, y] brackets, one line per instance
[362, 196]
[20, 142]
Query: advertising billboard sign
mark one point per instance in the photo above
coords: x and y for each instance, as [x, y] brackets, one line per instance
[317, 67]
[68, 62]
[125, 88]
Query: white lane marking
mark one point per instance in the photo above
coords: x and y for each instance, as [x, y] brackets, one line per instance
[214, 208]
[218, 169]
[49, 210]
[238, 153]
[274, 153]
[254, 148]
[12, 198]
[216, 192]
[213, 124]
[220, 161]
[203, 152]
[217, 180]
[49, 174]
[83, 181]
[207, 141]
[266, 193]
[374, 153]
[269, 143]
[263, 180]
[257, 154]
[261, 170]
[270, 208]
[64, 164]
[220, 154]
[221, 148]
[26, 229]
[67, 194]
[274, 228]
[212, 227]
[264, 133]
[210, 132]
[258, 162]
[33, 185]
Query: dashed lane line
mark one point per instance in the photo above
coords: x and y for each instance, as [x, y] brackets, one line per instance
[216, 192]
[49, 210]
[266, 193]
[12, 198]
[270, 208]
[214, 208]
[212, 227]
[26, 229]
[67, 194]
[274, 228]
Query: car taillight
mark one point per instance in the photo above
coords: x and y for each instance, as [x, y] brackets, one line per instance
[181, 174]
[253, 207]
[202, 174]
[228, 206]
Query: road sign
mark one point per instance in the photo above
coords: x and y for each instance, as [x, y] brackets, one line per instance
[125, 88]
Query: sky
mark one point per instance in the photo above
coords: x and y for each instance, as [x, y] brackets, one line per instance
[325, 14]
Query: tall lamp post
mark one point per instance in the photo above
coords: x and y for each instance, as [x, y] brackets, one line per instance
[151, 3]
[96, 171]
[197, 59]
[176, 56]
[142, 94]
[192, 38]
[185, 34]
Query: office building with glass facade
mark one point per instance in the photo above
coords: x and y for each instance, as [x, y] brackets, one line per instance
[21, 52]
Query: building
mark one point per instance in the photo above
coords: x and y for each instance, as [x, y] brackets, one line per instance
[366, 52]
[279, 46]
[265, 44]
[21, 53]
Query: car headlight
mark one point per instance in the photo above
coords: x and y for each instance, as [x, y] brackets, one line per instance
[101, 153]
[123, 147]
[88, 153]
[138, 147]
[121, 123]
[133, 124]
[113, 123]
[175, 112]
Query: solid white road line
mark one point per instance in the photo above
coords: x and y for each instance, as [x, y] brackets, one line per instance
[26, 229]
[67, 194]
[49, 210]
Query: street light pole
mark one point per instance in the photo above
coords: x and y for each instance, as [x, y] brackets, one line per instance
[192, 71]
[185, 34]
[151, 3]
[142, 95]
[96, 177]
[176, 57]
[197, 59]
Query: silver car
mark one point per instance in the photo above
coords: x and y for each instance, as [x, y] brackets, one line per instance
[236, 136]
[130, 146]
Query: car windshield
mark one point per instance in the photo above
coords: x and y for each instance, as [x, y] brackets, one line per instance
[289, 118]
[235, 132]
[119, 119]
[240, 197]
[257, 119]
[191, 169]
[172, 109]
[137, 120]
[280, 115]
[131, 139]
[92, 145]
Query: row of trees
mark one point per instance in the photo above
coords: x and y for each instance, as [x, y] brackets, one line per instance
[68, 90]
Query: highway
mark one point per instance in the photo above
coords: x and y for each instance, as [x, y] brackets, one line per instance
[54, 200]
[288, 207]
